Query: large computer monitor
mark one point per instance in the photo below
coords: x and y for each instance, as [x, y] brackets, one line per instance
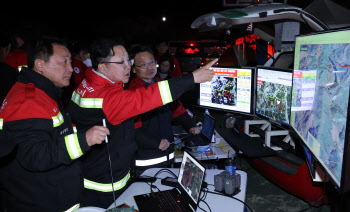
[229, 90]
[320, 100]
[274, 94]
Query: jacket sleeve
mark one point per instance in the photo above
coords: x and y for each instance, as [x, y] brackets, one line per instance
[181, 115]
[176, 108]
[186, 120]
[122, 105]
[40, 148]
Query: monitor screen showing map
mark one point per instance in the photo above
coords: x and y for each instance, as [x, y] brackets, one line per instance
[230, 89]
[320, 99]
[273, 94]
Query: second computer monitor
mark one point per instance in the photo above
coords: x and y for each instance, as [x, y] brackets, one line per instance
[273, 94]
[230, 90]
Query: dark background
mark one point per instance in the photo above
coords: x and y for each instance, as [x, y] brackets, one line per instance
[134, 21]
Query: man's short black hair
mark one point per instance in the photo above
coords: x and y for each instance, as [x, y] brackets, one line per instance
[101, 50]
[80, 45]
[43, 49]
[159, 41]
[138, 49]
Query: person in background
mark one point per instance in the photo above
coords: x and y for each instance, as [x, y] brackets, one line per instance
[154, 136]
[8, 73]
[101, 96]
[80, 61]
[162, 47]
[43, 173]
[166, 66]
[18, 55]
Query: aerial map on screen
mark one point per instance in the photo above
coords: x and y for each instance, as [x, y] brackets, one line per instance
[320, 96]
[273, 94]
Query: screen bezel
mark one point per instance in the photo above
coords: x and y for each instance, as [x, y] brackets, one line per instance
[252, 97]
[309, 162]
[211, 120]
[186, 155]
[277, 122]
[344, 184]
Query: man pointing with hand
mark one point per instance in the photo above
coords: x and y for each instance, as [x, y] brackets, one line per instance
[101, 96]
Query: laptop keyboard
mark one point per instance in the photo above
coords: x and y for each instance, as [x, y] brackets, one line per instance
[179, 130]
[167, 202]
[196, 140]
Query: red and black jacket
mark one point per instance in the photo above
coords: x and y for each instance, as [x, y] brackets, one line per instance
[18, 58]
[78, 72]
[99, 98]
[43, 173]
[155, 125]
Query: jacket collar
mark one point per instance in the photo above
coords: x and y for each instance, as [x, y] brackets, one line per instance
[97, 78]
[140, 83]
[30, 76]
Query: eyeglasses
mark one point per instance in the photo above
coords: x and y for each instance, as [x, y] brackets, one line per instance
[145, 65]
[124, 63]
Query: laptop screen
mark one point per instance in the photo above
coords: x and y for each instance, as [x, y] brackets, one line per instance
[208, 126]
[191, 176]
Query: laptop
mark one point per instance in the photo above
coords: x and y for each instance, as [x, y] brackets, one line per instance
[179, 130]
[184, 197]
[204, 138]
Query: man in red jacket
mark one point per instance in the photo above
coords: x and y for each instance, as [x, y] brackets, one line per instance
[101, 95]
[154, 136]
[43, 173]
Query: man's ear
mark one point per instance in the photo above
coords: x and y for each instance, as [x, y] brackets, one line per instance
[102, 68]
[39, 65]
[133, 69]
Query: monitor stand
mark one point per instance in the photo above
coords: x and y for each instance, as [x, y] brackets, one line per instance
[266, 126]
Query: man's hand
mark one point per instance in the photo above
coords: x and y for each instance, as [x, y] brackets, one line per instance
[204, 74]
[195, 130]
[96, 134]
[164, 144]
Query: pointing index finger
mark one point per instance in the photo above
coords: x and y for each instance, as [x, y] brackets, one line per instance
[208, 65]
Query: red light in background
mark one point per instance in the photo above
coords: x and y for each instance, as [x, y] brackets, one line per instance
[191, 51]
[190, 44]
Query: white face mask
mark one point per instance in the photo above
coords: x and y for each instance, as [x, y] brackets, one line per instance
[87, 62]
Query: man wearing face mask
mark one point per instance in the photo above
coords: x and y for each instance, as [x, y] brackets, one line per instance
[80, 61]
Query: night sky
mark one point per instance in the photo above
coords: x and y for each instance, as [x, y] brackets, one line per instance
[131, 20]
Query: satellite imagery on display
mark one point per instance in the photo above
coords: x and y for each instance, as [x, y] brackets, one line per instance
[320, 100]
[192, 179]
[272, 100]
[224, 90]
[230, 89]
